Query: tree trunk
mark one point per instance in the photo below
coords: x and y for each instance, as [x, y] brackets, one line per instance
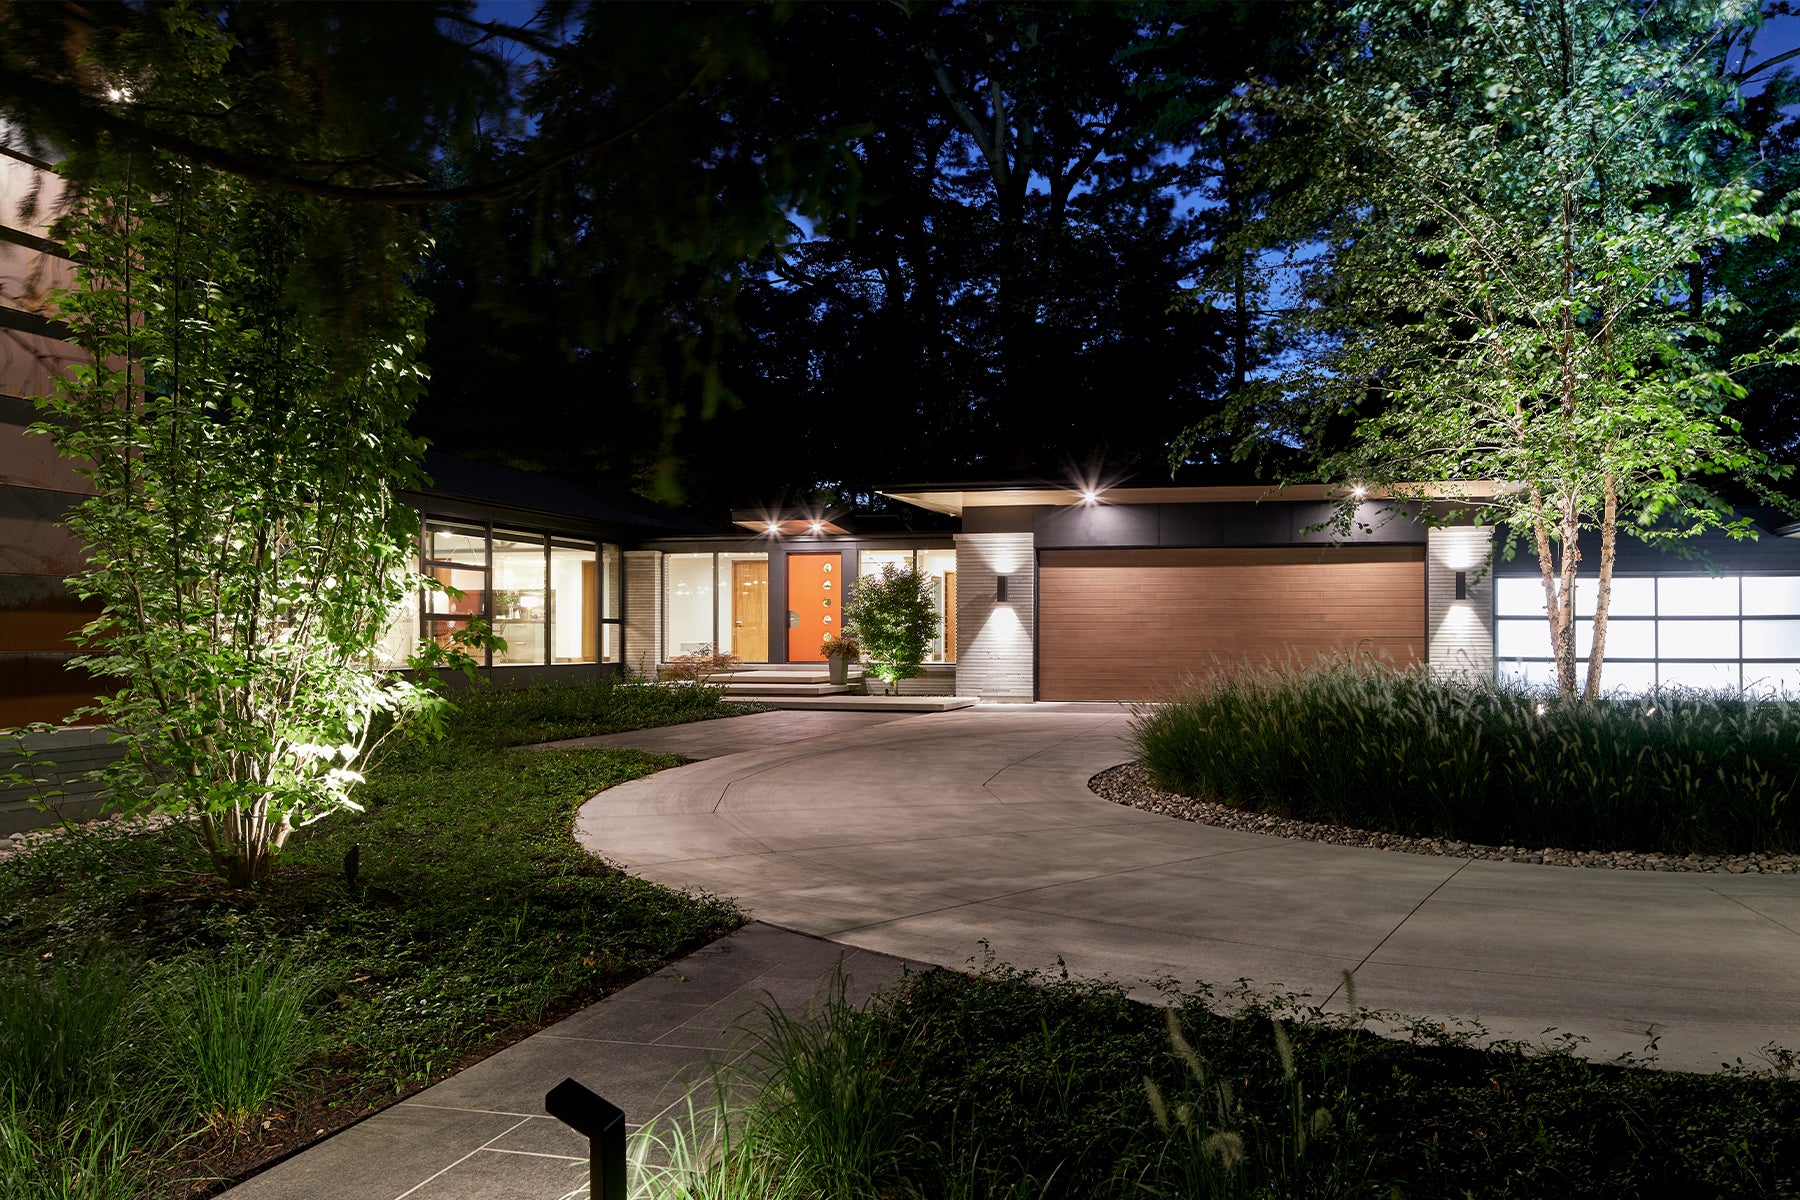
[1609, 541]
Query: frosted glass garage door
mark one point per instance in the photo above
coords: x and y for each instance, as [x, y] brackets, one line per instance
[1731, 632]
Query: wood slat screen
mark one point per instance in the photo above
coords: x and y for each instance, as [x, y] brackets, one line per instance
[1133, 624]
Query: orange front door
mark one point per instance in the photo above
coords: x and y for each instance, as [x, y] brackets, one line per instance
[815, 604]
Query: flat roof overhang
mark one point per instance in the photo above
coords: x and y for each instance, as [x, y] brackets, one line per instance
[954, 500]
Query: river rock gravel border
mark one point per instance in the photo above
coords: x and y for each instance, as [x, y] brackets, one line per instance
[1130, 784]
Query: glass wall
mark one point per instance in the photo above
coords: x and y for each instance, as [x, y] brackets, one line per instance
[688, 604]
[939, 569]
[716, 601]
[574, 602]
[551, 599]
[743, 616]
[455, 555]
[1728, 632]
[521, 611]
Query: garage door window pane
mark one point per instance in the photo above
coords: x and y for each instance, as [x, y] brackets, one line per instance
[1523, 639]
[1771, 595]
[1772, 639]
[1697, 596]
[1708, 676]
[1773, 680]
[1517, 596]
[1632, 596]
[1624, 639]
[1715, 640]
[1625, 679]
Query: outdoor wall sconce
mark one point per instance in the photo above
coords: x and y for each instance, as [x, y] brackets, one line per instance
[1000, 588]
[1462, 585]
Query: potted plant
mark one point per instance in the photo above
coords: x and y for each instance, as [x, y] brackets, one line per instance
[840, 652]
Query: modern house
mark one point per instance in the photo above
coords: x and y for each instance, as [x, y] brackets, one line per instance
[1044, 592]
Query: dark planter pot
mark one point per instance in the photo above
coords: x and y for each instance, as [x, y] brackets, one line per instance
[837, 668]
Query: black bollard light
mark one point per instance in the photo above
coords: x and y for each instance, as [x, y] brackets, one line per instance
[602, 1123]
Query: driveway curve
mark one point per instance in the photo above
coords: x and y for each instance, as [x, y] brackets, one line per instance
[929, 837]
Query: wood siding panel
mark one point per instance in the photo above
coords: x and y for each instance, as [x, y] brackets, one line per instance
[1132, 625]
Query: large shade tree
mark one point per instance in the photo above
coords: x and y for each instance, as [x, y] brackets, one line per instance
[1513, 195]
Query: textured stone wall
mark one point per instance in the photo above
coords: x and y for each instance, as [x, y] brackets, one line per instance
[995, 642]
[1461, 631]
[643, 611]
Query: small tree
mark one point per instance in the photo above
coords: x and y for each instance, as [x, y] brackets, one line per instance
[892, 618]
[243, 537]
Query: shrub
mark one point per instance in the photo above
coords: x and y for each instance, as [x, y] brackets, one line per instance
[1009, 1085]
[699, 666]
[235, 1031]
[892, 618]
[1353, 742]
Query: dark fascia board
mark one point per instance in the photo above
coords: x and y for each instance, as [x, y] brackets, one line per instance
[755, 543]
[454, 508]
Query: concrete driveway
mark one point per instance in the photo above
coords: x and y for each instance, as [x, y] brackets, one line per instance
[925, 837]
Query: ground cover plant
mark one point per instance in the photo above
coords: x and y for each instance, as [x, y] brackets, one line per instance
[1356, 743]
[159, 1029]
[1006, 1084]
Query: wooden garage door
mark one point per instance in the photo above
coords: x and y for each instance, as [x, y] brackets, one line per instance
[1132, 624]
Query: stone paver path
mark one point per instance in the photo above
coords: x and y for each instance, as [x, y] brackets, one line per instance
[483, 1135]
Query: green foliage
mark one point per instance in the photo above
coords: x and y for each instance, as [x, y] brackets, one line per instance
[1008, 1084]
[1512, 195]
[244, 539]
[892, 618]
[234, 1030]
[473, 911]
[496, 717]
[1355, 743]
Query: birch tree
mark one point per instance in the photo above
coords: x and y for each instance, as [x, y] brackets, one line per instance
[1518, 189]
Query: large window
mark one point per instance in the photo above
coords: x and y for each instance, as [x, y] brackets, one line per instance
[719, 601]
[1731, 632]
[939, 569]
[521, 612]
[550, 599]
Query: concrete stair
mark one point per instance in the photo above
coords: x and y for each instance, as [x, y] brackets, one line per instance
[793, 683]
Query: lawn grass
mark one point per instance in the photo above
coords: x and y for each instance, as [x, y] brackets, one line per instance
[1354, 743]
[251, 1021]
[1006, 1084]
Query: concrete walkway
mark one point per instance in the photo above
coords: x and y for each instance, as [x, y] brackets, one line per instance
[482, 1134]
[925, 836]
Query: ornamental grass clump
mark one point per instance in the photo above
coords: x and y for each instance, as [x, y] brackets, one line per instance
[1352, 741]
